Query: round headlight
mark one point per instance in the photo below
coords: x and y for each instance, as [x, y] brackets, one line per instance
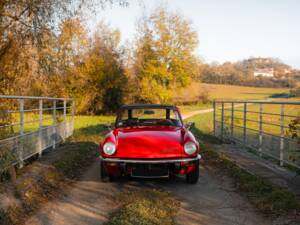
[190, 148]
[109, 148]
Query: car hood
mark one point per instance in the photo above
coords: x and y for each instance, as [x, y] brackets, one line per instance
[149, 142]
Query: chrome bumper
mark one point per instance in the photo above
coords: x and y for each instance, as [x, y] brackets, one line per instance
[117, 160]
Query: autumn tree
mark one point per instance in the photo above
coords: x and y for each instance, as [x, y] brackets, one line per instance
[94, 75]
[72, 45]
[28, 19]
[164, 55]
[28, 44]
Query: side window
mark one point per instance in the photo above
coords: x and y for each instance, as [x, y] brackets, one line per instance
[174, 115]
[124, 115]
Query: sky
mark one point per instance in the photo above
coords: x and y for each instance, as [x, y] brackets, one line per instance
[228, 30]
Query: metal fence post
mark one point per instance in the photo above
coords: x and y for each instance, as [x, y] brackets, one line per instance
[73, 113]
[40, 126]
[281, 156]
[222, 121]
[232, 119]
[260, 129]
[54, 125]
[214, 117]
[65, 120]
[65, 110]
[21, 149]
[245, 124]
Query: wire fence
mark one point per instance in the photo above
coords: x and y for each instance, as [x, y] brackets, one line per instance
[29, 125]
[263, 126]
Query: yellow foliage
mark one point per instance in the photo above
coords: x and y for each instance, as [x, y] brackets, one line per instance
[165, 57]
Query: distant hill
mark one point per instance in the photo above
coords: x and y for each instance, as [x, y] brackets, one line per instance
[253, 64]
[258, 72]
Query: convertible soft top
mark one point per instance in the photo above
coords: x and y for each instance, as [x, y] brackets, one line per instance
[148, 106]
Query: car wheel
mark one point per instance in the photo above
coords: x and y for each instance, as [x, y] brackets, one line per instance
[103, 174]
[172, 176]
[111, 178]
[192, 178]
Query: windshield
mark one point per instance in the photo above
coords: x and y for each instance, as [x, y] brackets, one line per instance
[148, 117]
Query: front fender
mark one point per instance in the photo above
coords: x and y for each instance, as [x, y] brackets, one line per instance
[189, 137]
[110, 137]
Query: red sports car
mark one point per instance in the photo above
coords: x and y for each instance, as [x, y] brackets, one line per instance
[149, 141]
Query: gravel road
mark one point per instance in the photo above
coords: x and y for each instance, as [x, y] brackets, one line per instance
[213, 201]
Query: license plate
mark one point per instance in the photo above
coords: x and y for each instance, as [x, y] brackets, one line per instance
[150, 171]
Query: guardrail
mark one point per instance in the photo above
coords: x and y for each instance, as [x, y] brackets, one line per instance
[263, 126]
[29, 125]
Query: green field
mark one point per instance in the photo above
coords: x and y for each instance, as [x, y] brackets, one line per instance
[88, 121]
[220, 91]
[203, 122]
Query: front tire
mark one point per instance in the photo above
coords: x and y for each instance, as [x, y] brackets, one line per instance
[193, 177]
[103, 173]
[111, 178]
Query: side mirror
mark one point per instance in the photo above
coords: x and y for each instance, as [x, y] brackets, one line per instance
[108, 126]
[189, 125]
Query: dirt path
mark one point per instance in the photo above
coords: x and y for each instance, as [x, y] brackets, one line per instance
[194, 113]
[213, 201]
[201, 111]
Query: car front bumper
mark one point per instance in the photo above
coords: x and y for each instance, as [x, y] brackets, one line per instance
[149, 168]
[150, 161]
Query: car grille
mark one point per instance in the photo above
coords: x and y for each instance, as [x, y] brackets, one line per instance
[150, 171]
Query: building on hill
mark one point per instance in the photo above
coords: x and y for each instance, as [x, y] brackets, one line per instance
[265, 72]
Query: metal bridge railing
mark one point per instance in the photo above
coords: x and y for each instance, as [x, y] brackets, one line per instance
[29, 125]
[263, 126]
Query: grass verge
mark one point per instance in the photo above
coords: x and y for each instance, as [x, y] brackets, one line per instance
[264, 195]
[147, 207]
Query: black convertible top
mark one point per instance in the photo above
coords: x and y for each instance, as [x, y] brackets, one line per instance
[129, 108]
[148, 106]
